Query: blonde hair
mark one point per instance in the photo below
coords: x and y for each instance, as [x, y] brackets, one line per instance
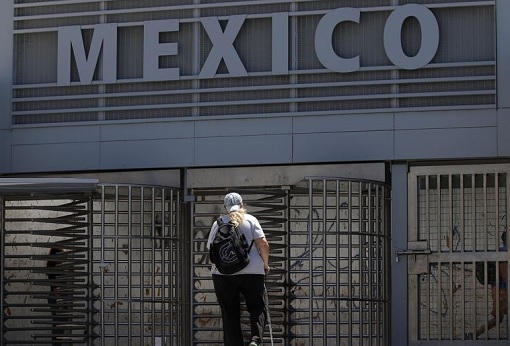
[237, 217]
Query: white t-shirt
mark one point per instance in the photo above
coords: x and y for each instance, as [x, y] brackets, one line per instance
[251, 230]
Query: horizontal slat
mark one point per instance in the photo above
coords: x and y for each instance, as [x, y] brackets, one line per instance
[254, 88]
[255, 102]
[157, 9]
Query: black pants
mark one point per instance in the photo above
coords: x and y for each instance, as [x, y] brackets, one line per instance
[228, 290]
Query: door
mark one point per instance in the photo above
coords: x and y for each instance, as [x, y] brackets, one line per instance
[457, 254]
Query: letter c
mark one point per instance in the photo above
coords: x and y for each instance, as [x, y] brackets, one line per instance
[324, 37]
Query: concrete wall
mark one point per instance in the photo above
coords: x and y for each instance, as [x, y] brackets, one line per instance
[336, 138]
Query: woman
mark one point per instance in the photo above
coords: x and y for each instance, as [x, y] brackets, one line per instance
[249, 281]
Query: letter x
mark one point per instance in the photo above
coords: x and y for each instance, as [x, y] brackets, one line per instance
[223, 47]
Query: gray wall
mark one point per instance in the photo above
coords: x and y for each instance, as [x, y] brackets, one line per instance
[262, 140]
[170, 144]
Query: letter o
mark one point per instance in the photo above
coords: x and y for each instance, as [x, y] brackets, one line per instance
[429, 36]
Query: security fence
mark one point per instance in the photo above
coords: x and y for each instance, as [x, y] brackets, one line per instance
[120, 264]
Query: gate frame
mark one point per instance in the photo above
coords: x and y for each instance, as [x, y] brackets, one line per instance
[308, 179]
[52, 188]
[411, 197]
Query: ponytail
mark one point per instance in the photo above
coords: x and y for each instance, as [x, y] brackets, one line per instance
[237, 217]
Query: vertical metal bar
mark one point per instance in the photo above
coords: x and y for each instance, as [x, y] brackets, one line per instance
[440, 249]
[153, 266]
[287, 278]
[451, 235]
[130, 261]
[387, 255]
[496, 204]
[462, 235]
[90, 270]
[438, 298]
[338, 250]
[379, 265]
[310, 263]
[102, 264]
[349, 257]
[116, 262]
[180, 231]
[141, 308]
[427, 235]
[191, 270]
[462, 231]
[473, 231]
[360, 253]
[179, 294]
[485, 219]
[473, 210]
[324, 261]
[450, 299]
[376, 241]
[164, 277]
[369, 268]
[485, 249]
[386, 259]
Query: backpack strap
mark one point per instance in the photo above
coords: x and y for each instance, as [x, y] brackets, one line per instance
[252, 238]
[220, 222]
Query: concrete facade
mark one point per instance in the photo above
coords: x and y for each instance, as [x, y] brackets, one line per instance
[453, 110]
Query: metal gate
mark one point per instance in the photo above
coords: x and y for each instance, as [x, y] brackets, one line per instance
[125, 263]
[329, 242]
[140, 266]
[457, 228]
[96, 265]
[46, 282]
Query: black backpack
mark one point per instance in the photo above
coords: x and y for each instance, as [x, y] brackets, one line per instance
[229, 250]
[491, 272]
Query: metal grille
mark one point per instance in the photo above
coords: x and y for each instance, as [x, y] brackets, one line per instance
[46, 285]
[102, 267]
[140, 266]
[461, 214]
[329, 243]
[462, 74]
[338, 263]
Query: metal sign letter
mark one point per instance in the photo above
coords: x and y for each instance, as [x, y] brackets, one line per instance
[223, 47]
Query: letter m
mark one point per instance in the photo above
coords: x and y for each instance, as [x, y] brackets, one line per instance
[70, 40]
